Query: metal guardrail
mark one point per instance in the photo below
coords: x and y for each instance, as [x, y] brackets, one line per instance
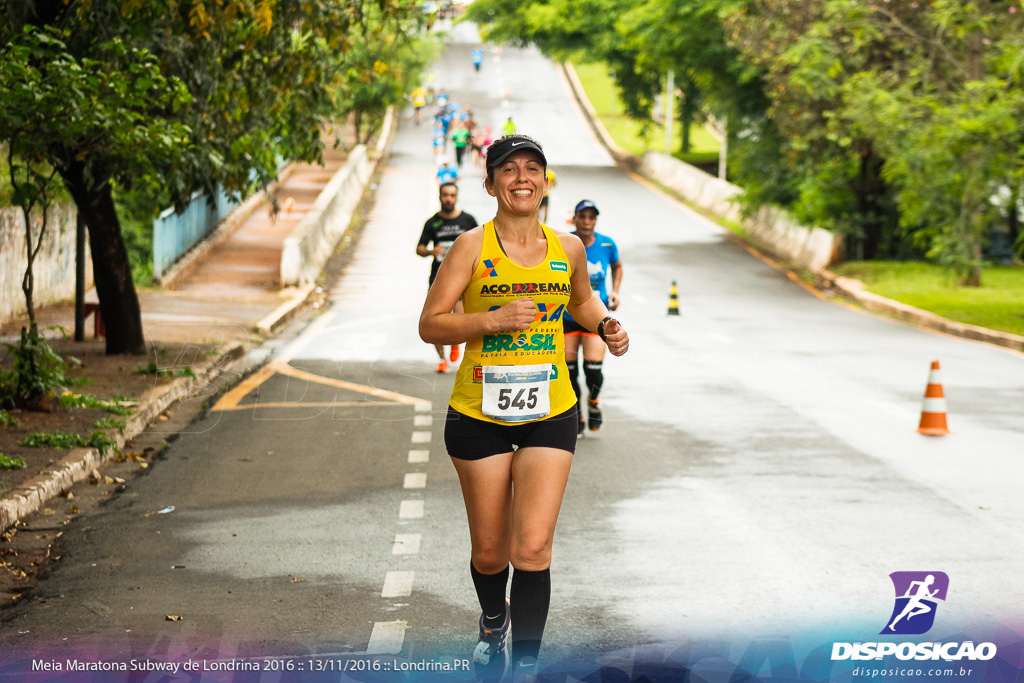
[174, 234]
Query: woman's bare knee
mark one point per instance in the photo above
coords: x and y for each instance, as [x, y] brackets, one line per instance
[532, 555]
[490, 560]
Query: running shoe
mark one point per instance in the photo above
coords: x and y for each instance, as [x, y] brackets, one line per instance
[594, 417]
[490, 658]
[442, 366]
[454, 355]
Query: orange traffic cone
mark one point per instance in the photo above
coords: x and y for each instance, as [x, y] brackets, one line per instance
[933, 411]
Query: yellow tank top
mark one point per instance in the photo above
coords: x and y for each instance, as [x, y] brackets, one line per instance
[499, 281]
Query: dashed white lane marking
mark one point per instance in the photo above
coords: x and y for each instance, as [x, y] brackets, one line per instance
[421, 437]
[419, 456]
[397, 585]
[411, 509]
[423, 407]
[387, 638]
[416, 480]
[423, 421]
[406, 544]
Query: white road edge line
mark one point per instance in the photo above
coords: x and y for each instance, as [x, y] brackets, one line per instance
[406, 544]
[415, 480]
[387, 638]
[397, 585]
[411, 509]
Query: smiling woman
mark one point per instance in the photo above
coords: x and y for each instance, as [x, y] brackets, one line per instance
[511, 425]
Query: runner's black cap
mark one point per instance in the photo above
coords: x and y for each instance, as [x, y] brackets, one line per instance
[505, 146]
[586, 204]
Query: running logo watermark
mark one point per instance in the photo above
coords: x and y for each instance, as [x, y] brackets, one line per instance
[917, 597]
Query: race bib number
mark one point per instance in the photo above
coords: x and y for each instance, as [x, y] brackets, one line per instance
[516, 393]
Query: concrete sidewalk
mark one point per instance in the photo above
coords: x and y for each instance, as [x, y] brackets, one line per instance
[225, 294]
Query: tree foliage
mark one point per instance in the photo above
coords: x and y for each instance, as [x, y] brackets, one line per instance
[892, 123]
[386, 58]
[180, 96]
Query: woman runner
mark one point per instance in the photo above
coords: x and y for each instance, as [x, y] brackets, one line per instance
[511, 424]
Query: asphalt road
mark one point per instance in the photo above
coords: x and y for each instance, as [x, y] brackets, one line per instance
[758, 477]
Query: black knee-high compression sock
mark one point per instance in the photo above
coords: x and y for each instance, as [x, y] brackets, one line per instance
[490, 591]
[574, 371]
[593, 370]
[530, 597]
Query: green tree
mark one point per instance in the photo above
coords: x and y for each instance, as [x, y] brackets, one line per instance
[385, 60]
[895, 119]
[948, 126]
[181, 96]
[689, 39]
[61, 111]
[824, 170]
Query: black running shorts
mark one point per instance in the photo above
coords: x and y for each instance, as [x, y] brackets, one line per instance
[570, 326]
[468, 438]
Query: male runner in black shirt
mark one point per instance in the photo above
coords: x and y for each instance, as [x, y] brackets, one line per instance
[441, 229]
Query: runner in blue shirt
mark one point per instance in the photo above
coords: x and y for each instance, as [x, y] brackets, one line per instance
[602, 263]
[447, 174]
[478, 57]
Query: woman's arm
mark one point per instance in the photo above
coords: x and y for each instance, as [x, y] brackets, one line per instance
[584, 306]
[438, 325]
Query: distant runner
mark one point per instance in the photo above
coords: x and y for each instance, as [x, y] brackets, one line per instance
[440, 230]
[602, 262]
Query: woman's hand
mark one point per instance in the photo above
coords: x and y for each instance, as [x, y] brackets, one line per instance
[616, 338]
[516, 315]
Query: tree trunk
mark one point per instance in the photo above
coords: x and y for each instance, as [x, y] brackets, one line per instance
[868, 193]
[687, 115]
[112, 272]
[29, 279]
[1013, 218]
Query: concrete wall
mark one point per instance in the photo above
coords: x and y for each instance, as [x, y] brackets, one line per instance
[54, 267]
[810, 248]
[309, 246]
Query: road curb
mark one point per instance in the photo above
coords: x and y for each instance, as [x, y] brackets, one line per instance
[848, 288]
[79, 463]
[271, 322]
[856, 291]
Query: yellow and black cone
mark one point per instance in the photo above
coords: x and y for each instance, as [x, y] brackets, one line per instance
[673, 300]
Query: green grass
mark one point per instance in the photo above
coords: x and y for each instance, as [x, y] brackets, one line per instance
[71, 400]
[998, 304]
[628, 132]
[109, 423]
[9, 463]
[65, 440]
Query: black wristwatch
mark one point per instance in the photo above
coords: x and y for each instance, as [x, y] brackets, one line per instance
[600, 328]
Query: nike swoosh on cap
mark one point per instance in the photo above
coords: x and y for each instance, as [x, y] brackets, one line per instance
[518, 143]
